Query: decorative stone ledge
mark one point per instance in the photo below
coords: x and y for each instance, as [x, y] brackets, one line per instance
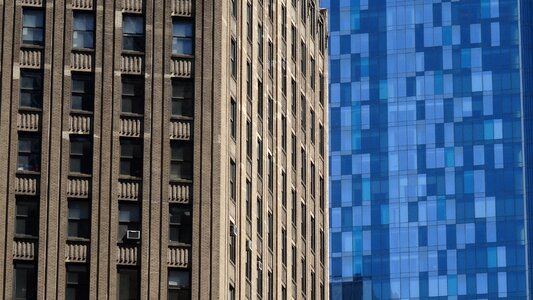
[82, 4]
[80, 123]
[31, 58]
[127, 255]
[26, 184]
[81, 61]
[180, 130]
[132, 6]
[179, 192]
[28, 121]
[128, 189]
[178, 256]
[130, 126]
[24, 250]
[181, 67]
[32, 3]
[78, 187]
[76, 252]
[131, 64]
[181, 8]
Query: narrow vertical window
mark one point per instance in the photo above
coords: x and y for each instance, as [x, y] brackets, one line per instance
[270, 175]
[270, 59]
[29, 153]
[321, 197]
[259, 157]
[25, 281]
[248, 263]
[313, 235]
[270, 120]
[283, 132]
[271, 9]
[303, 226]
[312, 74]
[260, 42]
[132, 95]
[313, 283]
[26, 217]
[294, 267]
[259, 277]
[321, 37]
[283, 189]
[260, 216]
[133, 33]
[232, 242]
[32, 27]
[293, 207]
[233, 118]
[312, 126]
[270, 281]
[83, 30]
[128, 221]
[284, 246]
[131, 158]
[283, 22]
[303, 169]
[31, 89]
[231, 292]
[233, 58]
[304, 275]
[182, 98]
[293, 43]
[270, 231]
[322, 246]
[181, 160]
[284, 76]
[248, 200]
[81, 155]
[82, 93]
[180, 225]
[249, 138]
[249, 79]
[312, 180]
[78, 220]
[182, 37]
[260, 97]
[179, 284]
[249, 20]
[321, 88]
[293, 151]
[233, 180]
[233, 6]
[321, 139]
[128, 283]
[303, 59]
[294, 95]
[77, 282]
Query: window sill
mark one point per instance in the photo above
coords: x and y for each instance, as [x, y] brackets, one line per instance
[180, 180]
[178, 244]
[78, 239]
[30, 109]
[130, 114]
[28, 172]
[80, 175]
[81, 112]
[132, 52]
[32, 46]
[129, 177]
[86, 50]
[25, 237]
[178, 55]
[180, 118]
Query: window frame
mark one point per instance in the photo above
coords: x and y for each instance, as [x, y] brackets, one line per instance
[35, 92]
[85, 158]
[84, 33]
[39, 42]
[86, 96]
[30, 217]
[80, 223]
[135, 160]
[133, 37]
[184, 164]
[180, 40]
[33, 155]
[183, 227]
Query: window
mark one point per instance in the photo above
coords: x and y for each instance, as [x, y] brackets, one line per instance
[82, 97]
[233, 6]
[133, 33]
[260, 216]
[304, 276]
[83, 30]
[260, 42]
[77, 282]
[322, 292]
[313, 235]
[303, 226]
[260, 157]
[260, 98]
[29, 153]
[25, 281]
[128, 219]
[270, 281]
[270, 115]
[233, 57]
[293, 150]
[293, 207]
[283, 189]
[283, 22]
[312, 74]
[131, 158]
[248, 200]
[249, 138]
[32, 27]
[283, 132]
[182, 37]
[284, 76]
[81, 155]
[303, 170]
[321, 196]
[293, 263]
[180, 225]
[321, 88]
[232, 242]
[283, 293]
[231, 293]
[233, 118]
[249, 79]
[233, 180]
[293, 43]
[294, 94]
[303, 10]
[182, 98]
[312, 127]
[128, 283]
[181, 161]
[312, 17]
[270, 175]
[312, 180]
[270, 236]
[321, 37]
[313, 283]
[321, 139]
[27, 217]
[248, 264]
[271, 9]
[132, 95]
[322, 246]
[31, 89]
[303, 59]
[259, 277]
[249, 21]
[78, 220]
[270, 59]
[284, 246]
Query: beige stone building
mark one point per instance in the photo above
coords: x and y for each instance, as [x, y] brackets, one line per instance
[163, 149]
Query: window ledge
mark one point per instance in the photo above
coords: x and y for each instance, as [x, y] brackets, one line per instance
[177, 55]
[132, 52]
[86, 50]
[27, 172]
[178, 244]
[78, 239]
[31, 46]
[26, 237]
[176, 180]
[80, 175]
[181, 118]
[129, 177]
[30, 109]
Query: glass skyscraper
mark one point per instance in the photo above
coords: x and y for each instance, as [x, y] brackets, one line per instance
[430, 132]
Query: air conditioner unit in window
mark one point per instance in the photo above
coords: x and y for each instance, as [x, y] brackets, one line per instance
[133, 234]
[249, 245]
[234, 230]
